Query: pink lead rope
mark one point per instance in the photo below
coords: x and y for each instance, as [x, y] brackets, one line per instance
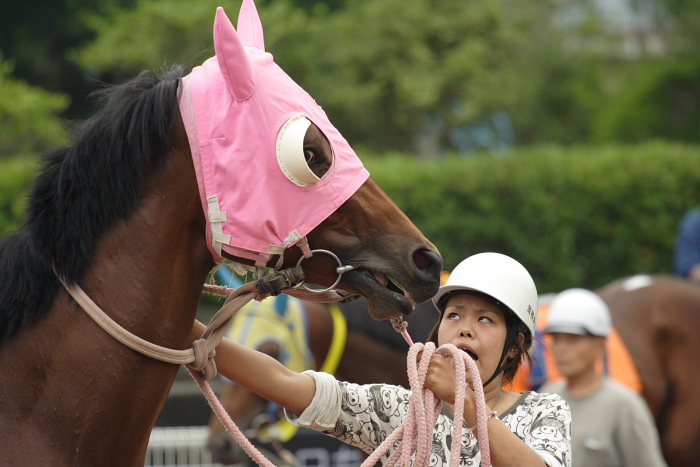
[415, 435]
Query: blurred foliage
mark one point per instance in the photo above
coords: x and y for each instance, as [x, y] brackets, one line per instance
[16, 175]
[150, 35]
[575, 216]
[684, 29]
[663, 100]
[37, 37]
[407, 83]
[414, 75]
[29, 116]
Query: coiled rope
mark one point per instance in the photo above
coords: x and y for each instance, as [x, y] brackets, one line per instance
[415, 434]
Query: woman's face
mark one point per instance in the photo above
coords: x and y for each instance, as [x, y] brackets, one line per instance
[477, 326]
[576, 355]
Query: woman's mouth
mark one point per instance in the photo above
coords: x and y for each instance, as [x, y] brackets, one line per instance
[473, 356]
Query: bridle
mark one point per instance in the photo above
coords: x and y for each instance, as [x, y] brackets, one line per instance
[200, 357]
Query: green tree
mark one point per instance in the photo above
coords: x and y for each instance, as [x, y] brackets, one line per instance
[16, 175]
[29, 116]
[683, 26]
[383, 70]
[149, 35]
[662, 100]
[410, 74]
[36, 36]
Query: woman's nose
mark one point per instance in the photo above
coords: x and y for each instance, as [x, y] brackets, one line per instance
[466, 331]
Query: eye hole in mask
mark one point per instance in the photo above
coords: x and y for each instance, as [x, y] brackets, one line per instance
[303, 153]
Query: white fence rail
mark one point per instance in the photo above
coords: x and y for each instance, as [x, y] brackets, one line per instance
[179, 446]
[187, 446]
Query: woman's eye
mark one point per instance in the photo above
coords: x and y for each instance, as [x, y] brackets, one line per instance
[486, 319]
[453, 316]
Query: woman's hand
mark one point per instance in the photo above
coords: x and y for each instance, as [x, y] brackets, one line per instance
[440, 377]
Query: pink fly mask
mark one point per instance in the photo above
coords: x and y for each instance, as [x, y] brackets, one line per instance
[246, 121]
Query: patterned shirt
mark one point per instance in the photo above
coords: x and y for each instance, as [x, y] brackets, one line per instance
[365, 415]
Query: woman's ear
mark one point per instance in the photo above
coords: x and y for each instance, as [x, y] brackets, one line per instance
[513, 352]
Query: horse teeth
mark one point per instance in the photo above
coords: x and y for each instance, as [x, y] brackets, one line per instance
[381, 278]
[408, 296]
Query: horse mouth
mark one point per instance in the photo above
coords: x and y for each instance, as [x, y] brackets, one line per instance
[391, 284]
[385, 295]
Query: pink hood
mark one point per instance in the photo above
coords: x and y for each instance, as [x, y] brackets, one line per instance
[234, 107]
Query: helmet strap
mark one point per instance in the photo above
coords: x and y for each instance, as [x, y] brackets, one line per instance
[501, 367]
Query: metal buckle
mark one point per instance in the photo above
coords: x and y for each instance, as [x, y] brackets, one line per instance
[340, 270]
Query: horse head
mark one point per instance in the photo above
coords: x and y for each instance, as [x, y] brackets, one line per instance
[250, 125]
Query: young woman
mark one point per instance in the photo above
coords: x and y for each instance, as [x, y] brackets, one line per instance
[488, 309]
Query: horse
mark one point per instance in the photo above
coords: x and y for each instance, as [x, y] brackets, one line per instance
[373, 352]
[657, 318]
[119, 212]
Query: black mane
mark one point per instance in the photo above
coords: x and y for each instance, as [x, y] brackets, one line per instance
[80, 192]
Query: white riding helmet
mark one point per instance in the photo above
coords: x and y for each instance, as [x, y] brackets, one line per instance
[500, 277]
[579, 311]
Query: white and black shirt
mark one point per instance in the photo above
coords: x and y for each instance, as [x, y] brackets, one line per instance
[364, 415]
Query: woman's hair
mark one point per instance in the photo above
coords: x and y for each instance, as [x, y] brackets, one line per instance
[514, 327]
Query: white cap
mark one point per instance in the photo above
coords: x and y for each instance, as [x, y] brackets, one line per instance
[500, 277]
[579, 311]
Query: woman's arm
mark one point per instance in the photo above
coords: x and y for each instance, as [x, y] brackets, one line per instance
[507, 449]
[262, 374]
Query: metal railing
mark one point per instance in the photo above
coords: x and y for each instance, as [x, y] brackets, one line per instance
[179, 446]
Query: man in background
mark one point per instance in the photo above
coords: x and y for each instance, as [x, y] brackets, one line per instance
[611, 424]
[687, 261]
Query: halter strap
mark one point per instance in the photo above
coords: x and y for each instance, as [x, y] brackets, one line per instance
[201, 356]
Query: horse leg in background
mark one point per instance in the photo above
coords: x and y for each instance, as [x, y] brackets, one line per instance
[243, 406]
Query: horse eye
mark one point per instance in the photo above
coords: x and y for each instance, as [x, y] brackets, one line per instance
[303, 152]
[310, 156]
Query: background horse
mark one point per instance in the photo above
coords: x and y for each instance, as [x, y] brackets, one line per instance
[119, 213]
[373, 353]
[656, 319]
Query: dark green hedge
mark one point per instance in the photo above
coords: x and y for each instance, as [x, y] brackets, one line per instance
[574, 216]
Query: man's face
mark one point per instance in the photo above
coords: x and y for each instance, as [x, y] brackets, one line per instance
[575, 354]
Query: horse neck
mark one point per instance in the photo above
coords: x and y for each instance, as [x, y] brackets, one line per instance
[97, 400]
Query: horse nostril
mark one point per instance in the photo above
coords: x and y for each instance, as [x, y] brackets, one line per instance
[428, 261]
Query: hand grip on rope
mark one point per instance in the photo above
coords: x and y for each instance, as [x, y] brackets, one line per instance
[415, 435]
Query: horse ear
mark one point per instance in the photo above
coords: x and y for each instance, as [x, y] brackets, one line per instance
[249, 26]
[232, 58]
